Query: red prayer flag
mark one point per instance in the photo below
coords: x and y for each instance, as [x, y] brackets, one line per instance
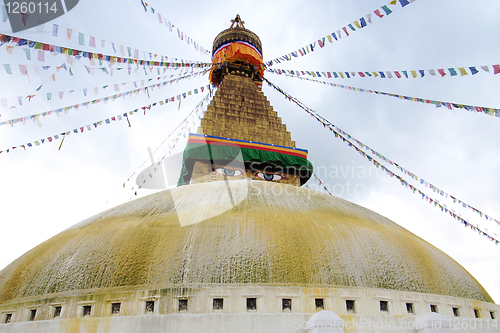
[441, 71]
[496, 69]
[361, 74]
[345, 30]
[397, 74]
[377, 12]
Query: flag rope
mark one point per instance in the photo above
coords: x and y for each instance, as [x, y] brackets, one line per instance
[35, 117]
[118, 117]
[342, 135]
[472, 108]
[344, 31]
[390, 74]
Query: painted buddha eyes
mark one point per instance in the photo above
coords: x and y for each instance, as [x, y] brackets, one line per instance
[269, 176]
[229, 172]
[258, 174]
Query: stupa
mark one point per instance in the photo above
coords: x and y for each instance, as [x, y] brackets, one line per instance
[239, 245]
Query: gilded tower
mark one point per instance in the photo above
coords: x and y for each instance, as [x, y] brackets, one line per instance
[240, 123]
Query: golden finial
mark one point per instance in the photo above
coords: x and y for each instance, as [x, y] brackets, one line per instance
[238, 21]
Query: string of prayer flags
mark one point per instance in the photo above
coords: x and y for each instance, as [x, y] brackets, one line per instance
[92, 41]
[389, 74]
[361, 23]
[92, 102]
[8, 102]
[80, 129]
[349, 140]
[182, 36]
[192, 120]
[471, 108]
[322, 184]
[95, 56]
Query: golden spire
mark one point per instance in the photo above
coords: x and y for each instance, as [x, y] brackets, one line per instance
[238, 21]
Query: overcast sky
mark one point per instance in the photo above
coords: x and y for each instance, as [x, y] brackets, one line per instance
[46, 190]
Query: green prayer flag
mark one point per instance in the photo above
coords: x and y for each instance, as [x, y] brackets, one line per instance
[28, 53]
[386, 9]
[7, 68]
[4, 14]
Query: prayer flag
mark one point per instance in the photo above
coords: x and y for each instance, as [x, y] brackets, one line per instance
[404, 2]
[7, 68]
[386, 9]
[485, 68]
[463, 71]
[363, 22]
[441, 71]
[81, 39]
[377, 12]
[473, 70]
[4, 14]
[453, 72]
[55, 27]
[496, 69]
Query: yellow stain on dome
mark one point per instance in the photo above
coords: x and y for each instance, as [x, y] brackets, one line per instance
[279, 235]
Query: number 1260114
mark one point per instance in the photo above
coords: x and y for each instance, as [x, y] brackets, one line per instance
[31, 7]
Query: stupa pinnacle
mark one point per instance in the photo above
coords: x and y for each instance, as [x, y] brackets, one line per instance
[240, 124]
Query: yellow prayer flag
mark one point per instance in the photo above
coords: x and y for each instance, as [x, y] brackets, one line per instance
[314, 74]
[413, 73]
[463, 71]
[375, 73]
[341, 74]
[330, 39]
[356, 23]
[393, 2]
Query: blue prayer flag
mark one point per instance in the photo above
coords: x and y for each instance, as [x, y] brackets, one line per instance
[473, 70]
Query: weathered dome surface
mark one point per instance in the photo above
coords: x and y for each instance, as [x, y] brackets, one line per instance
[276, 235]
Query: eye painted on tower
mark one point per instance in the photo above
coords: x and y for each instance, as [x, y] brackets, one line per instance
[229, 172]
[269, 176]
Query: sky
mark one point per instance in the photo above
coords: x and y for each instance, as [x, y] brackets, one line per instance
[46, 189]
